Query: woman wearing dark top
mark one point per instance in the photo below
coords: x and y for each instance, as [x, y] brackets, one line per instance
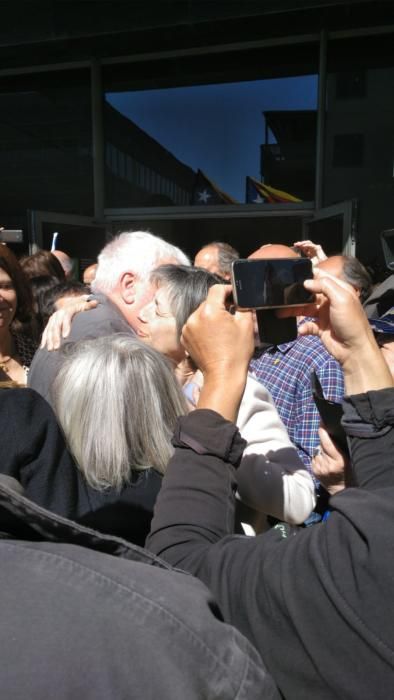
[117, 402]
[17, 346]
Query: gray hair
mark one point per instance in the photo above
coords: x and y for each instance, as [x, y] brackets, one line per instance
[117, 401]
[139, 252]
[354, 273]
[226, 256]
[187, 288]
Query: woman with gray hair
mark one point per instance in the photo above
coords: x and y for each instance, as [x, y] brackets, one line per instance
[117, 402]
[271, 477]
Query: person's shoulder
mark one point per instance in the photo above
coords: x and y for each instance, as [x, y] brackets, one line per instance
[104, 319]
[256, 391]
[257, 404]
[312, 350]
[17, 402]
[22, 396]
[25, 417]
[138, 607]
[144, 479]
[43, 369]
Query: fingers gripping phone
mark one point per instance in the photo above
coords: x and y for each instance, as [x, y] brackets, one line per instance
[266, 285]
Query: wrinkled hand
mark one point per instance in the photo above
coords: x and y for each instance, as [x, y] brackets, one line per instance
[313, 251]
[59, 324]
[340, 320]
[330, 466]
[343, 327]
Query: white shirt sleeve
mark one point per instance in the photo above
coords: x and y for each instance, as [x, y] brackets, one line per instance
[271, 476]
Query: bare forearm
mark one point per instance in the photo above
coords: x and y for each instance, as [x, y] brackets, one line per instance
[223, 393]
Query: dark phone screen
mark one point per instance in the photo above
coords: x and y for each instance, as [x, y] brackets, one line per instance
[271, 283]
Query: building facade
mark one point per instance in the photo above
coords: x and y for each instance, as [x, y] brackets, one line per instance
[117, 116]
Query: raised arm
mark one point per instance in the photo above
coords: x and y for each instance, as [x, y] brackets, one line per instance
[199, 483]
[335, 577]
[222, 351]
[59, 323]
[312, 250]
[343, 328]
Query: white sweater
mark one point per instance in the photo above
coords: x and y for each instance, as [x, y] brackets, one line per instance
[272, 478]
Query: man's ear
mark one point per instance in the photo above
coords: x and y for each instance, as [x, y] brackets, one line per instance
[127, 287]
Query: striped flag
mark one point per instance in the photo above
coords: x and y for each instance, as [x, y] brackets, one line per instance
[205, 191]
[260, 193]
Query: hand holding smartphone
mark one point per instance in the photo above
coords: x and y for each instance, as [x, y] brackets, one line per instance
[269, 284]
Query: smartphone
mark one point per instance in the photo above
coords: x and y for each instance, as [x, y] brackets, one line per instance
[274, 330]
[271, 283]
[11, 235]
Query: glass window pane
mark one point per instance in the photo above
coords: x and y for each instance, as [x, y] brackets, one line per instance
[359, 142]
[46, 144]
[223, 143]
[348, 150]
[244, 234]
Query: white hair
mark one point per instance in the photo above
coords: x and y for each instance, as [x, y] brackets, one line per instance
[138, 252]
[117, 401]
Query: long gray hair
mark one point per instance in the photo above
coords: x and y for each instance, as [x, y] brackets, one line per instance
[117, 401]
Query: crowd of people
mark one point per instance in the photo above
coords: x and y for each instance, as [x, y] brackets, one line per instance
[176, 520]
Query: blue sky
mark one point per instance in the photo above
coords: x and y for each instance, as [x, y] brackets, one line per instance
[217, 128]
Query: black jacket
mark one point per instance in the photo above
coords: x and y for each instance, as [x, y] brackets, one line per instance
[33, 451]
[316, 603]
[84, 615]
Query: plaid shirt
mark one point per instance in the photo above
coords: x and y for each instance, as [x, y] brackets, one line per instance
[285, 371]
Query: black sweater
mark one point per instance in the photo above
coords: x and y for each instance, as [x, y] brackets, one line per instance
[317, 603]
[33, 451]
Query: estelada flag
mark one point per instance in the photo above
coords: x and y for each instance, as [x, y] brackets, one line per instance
[205, 191]
[260, 193]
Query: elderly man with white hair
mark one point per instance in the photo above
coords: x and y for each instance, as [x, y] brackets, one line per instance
[121, 287]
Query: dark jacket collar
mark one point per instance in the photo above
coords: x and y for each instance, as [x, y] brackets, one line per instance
[22, 519]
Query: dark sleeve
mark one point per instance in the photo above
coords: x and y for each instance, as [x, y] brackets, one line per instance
[46, 364]
[318, 588]
[195, 507]
[368, 421]
[193, 518]
[33, 451]
[206, 447]
[43, 370]
[198, 488]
